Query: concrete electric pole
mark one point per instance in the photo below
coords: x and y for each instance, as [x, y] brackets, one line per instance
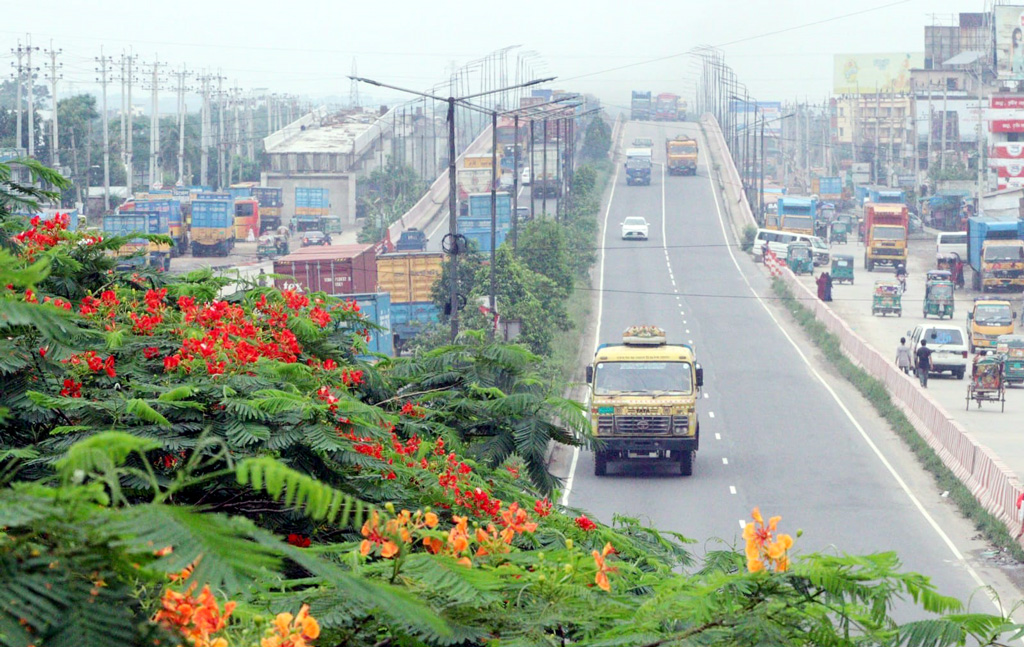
[104, 61]
[53, 78]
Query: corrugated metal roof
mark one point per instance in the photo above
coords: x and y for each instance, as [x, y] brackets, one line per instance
[964, 58]
[331, 252]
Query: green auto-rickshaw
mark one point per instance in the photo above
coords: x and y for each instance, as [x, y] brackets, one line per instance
[1011, 348]
[938, 299]
[840, 229]
[887, 299]
[799, 258]
[842, 268]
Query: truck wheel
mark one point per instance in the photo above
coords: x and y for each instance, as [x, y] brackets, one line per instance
[600, 463]
[960, 373]
[686, 463]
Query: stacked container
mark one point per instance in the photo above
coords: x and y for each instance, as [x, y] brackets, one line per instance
[409, 278]
[476, 224]
[336, 270]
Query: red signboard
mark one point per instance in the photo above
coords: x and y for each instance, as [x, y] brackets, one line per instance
[1007, 102]
[1012, 170]
[1009, 150]
[1007, 126]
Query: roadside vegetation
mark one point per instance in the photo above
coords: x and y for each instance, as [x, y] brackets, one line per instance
[877, 394]
[385, 195]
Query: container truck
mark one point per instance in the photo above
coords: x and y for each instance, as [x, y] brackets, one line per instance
[126, 223]
[640, 107]
[666, 107]
[409, 278]
[995, 252]
[638, 166]
[175, 224]
[544, 173]
[247, 218]
[375, 308]
[797, 214]
[883, 195]
[885, 234]
[681, 153]
[480, 206]
[310, 204]
[471, 180]
[270, 200]
[681, 112]
[337, 270]
[213, 231]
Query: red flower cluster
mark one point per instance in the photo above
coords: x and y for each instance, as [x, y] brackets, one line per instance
[295, 300]
[155, 300]
[144, 324]
[150, 352]
[42, 234]
[93, 362]
[298, 540]
[583, 523]
[352, 378]
[542, 507]
[413, 411]
[320, 316]
[58, 302]
[72, 389]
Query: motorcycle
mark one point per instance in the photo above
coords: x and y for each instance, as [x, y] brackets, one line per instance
[901, 277]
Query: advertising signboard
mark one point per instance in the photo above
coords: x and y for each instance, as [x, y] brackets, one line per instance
[871, 73]
[770, 111]
[1009, 41]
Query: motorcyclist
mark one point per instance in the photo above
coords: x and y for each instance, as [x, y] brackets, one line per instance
[901, 276]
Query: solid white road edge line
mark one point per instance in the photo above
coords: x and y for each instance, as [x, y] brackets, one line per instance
[600, 309]
[835, 396]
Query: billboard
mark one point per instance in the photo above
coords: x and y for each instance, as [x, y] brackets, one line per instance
[770, 111]
[1009, 42]
[871, 73]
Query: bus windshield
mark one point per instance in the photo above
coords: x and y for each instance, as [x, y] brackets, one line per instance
[640, 378]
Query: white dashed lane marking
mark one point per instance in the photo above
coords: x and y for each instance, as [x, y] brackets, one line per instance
[718, 436]
[725, 461]
[732, 489]
[711, 413]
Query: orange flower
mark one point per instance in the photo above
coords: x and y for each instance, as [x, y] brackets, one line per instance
[196, 618]
[601, 579]
[292, 631]
[764, 548]
[374, 536]
[515, 520]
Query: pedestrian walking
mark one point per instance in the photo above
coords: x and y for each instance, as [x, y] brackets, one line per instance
[828, 286]
[822, 282]
[924, 362]
[903, 358]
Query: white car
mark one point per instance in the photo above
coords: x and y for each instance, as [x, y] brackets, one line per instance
[634, 228]
[524, 177]
[949, 348]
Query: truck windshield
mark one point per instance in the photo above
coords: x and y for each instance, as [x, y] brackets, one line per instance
[243, 209]
[993, 315]
[642, 377]
[890, 233]
[681, 148]
[1004, 253]
[790, 221]
[638, 162]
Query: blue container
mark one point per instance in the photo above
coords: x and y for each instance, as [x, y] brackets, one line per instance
[214, 196]
[215, 214]
[312, 198]
[860, 192]
[482, 237]
[408, 319]
[543, 94]
[830, 185]
[238, 193]
[126, 223]
[376, 307]
[169, 208]
[480, 206]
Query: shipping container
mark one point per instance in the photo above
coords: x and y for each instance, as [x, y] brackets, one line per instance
[312, 198]
[375, 307]
[409, 319]
[336, 270]
[480, 206]
[480, 237]
[268, 196]
[409, 276]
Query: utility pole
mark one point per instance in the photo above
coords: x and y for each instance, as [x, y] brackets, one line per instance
[981, 143]
[54, 76]
[250, 127]
[104, 60]
[181, 124]
[515, 180]
[31, 103]
[878, 128]
[221, 135]
[19, 52]
[204, 132]
[237, 101]
[154, 127]
[130, 127]
[942, 151]
[494, 221]
[544, 167]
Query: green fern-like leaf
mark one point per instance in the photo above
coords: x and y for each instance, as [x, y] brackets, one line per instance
[298, 490]
[146, 413]
[102, 452]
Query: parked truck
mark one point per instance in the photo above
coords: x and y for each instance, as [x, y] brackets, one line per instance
[213, 231]
[681, 155]
[271, 200]
[643, 400]
[469, 181]
[544, 172]
[995, 252]
[885, 234]
[247, 218]
[409, 278]
[638, 166]
[666, 107]
[170, 208]
[311, 203]
[134, 252]
[640, 107]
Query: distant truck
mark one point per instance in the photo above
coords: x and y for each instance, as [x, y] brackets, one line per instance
[247, 218]
[681, 155]
[411, 240]
[409, 277]
[995, 252]
[271, 200]
[643, 400]
[885, 234]
[469, 181]
[666, 107]
[640, 106]
[213, 231]
[681, 110]
[797, 214]
[125, 223]
[638, 166]
[882, 195]
[544, 172]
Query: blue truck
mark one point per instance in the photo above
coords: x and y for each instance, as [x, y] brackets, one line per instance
[133, 253]
[410, 318]
[172, 209]
[638, 166]
[995, 252]
[798, 214]
[213, 227]
[375, 307]
[884, 195]
[480, 206]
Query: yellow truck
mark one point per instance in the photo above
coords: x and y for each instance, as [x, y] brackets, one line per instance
[643, 400]
[681, 155]
[884, 232]
[987, 320]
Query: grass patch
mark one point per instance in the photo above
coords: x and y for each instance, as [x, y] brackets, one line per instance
[875, 392]
[749, 233]
[561, 365]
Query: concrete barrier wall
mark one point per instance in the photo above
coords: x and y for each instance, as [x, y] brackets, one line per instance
[991, 482]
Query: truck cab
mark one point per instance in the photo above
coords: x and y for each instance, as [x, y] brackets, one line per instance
[411, 240]
[995, 253]
[681, 155]
[987, 320]
[643, 396]
[885, 234]
[638, 166]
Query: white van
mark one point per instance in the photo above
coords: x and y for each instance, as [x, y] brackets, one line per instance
[952, 242]
[778, 242]
[948, 344]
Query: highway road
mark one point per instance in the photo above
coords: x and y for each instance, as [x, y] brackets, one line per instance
[774, 433]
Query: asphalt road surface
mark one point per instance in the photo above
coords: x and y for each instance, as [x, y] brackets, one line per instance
[773, 434]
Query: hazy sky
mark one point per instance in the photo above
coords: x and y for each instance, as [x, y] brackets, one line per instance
[307, 47]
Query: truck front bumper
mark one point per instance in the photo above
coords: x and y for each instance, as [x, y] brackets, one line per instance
[647, 444]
